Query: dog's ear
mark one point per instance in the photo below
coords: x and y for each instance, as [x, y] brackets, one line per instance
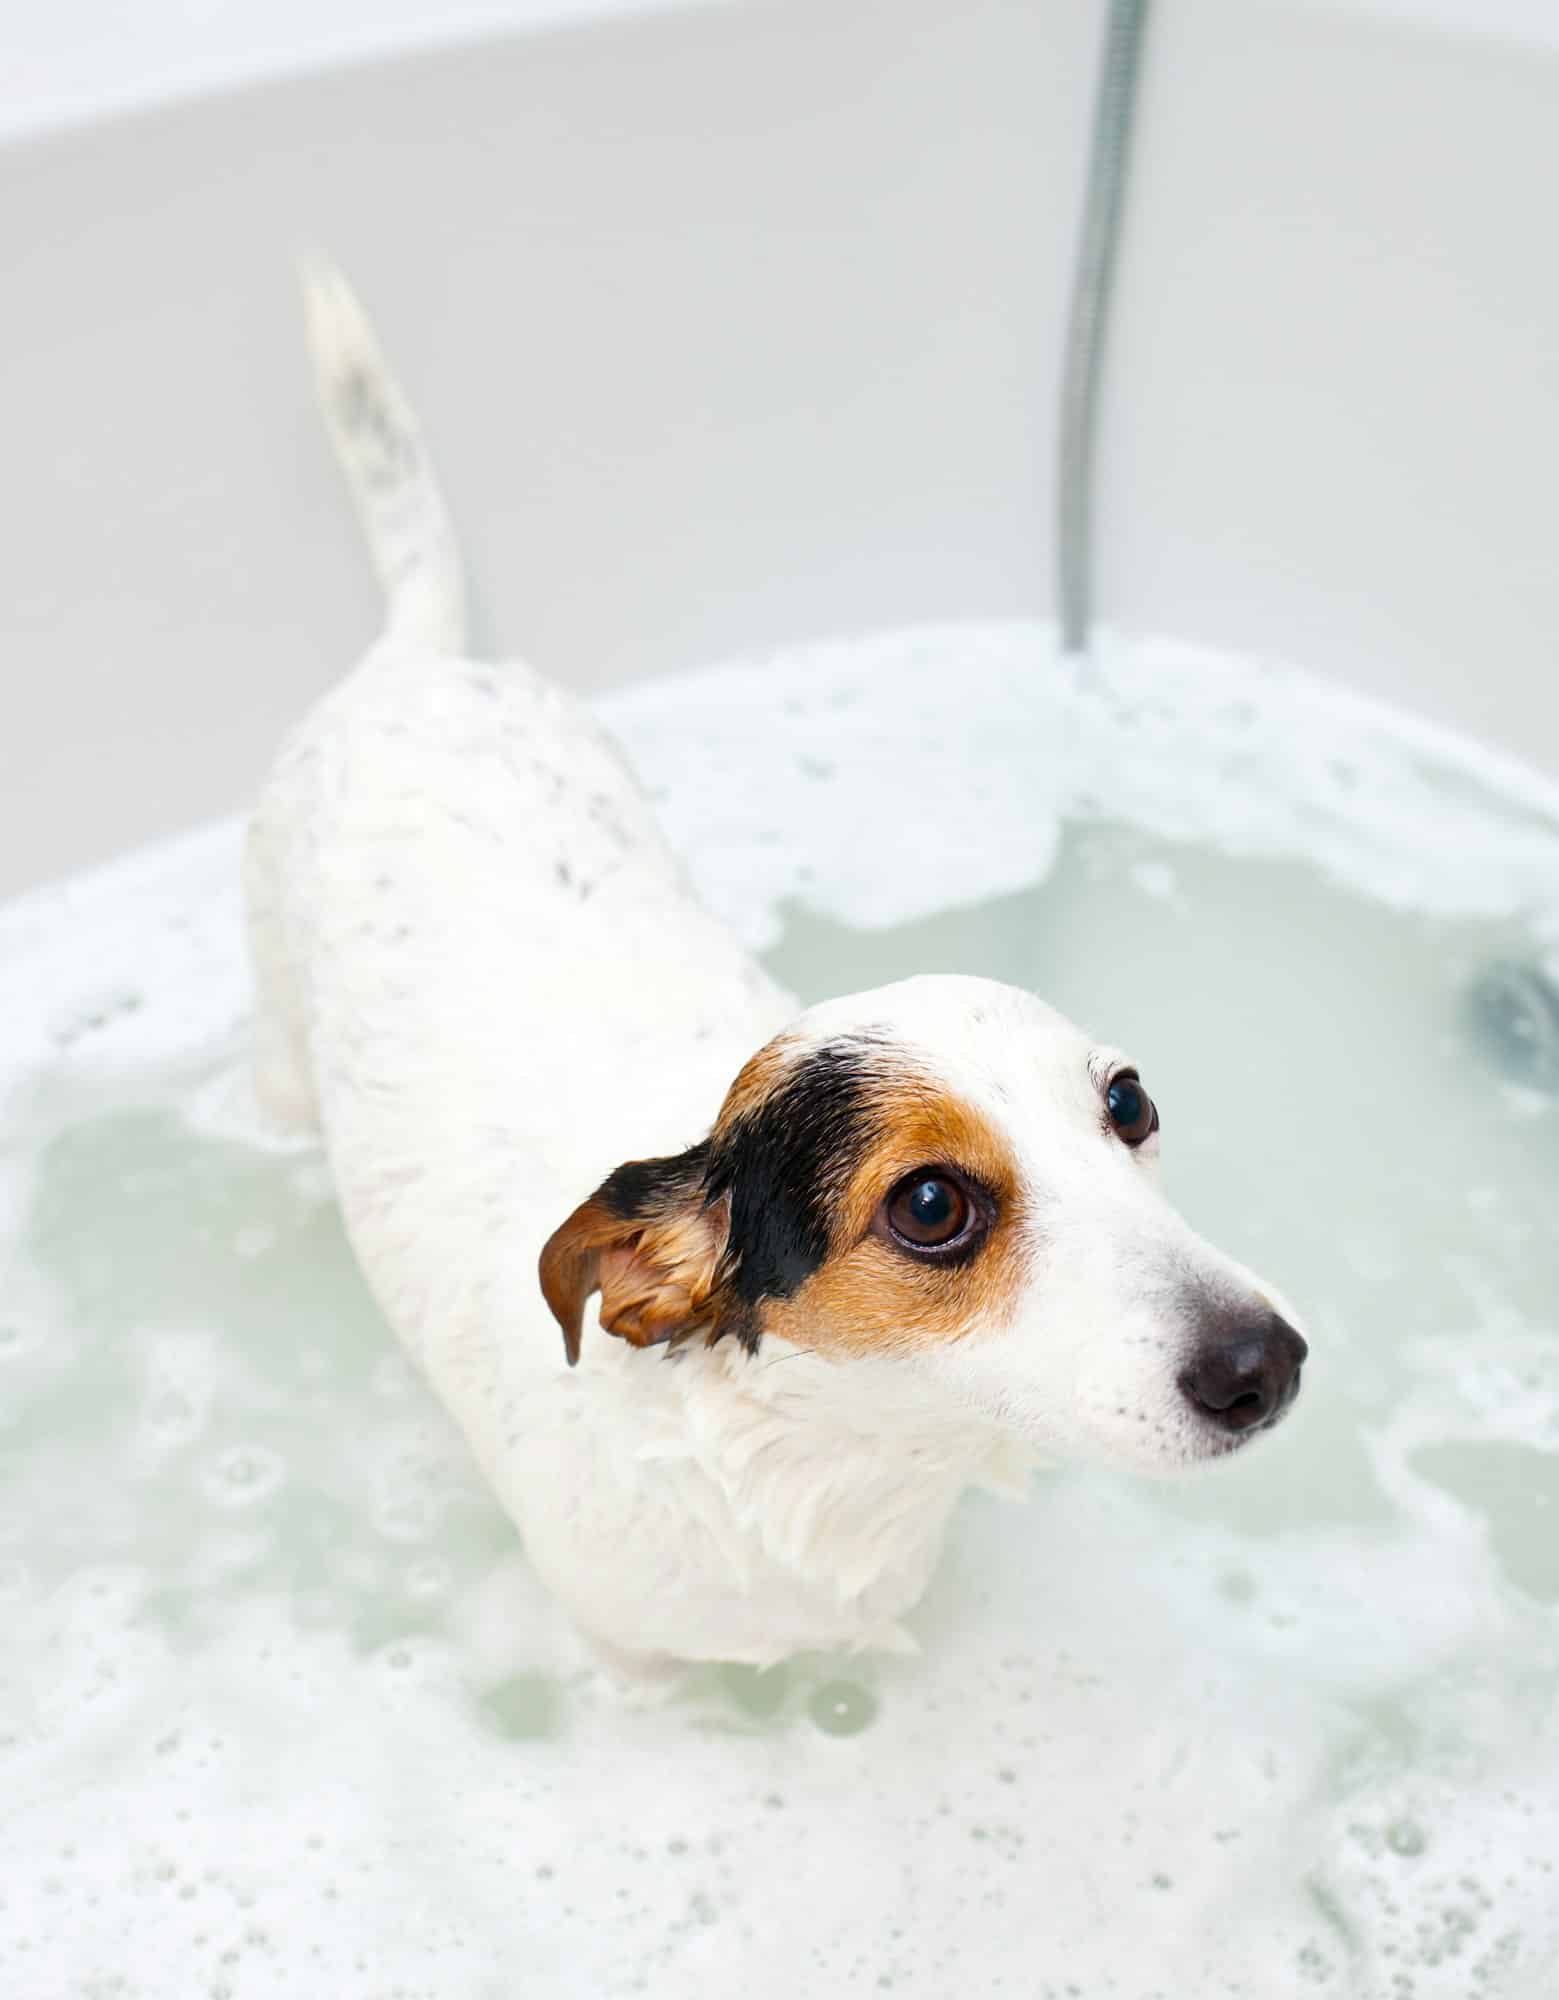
[651, 1243]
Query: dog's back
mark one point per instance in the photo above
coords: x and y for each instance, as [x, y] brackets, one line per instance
[479, 969]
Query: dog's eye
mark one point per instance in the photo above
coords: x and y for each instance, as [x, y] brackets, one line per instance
[929, 1211]
[1132, 1112]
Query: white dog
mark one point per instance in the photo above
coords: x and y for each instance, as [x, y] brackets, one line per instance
[918, 1238]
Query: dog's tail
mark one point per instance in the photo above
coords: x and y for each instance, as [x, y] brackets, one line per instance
[410, 534]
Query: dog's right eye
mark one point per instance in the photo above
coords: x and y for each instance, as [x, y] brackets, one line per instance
[929, 1211]
[932, 1213]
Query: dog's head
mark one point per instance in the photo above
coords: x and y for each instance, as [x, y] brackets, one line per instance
[947, 1173]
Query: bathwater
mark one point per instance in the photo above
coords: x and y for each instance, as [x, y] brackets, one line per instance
[281, 1708]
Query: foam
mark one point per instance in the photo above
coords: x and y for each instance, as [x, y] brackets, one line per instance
[281, 1707]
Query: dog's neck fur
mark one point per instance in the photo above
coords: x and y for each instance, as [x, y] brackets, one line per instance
[816, 1491]
[831, 1463]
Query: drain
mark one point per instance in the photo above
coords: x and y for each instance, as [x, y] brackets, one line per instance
[1513, 1011]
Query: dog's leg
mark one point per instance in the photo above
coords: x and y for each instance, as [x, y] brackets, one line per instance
[632, 1681]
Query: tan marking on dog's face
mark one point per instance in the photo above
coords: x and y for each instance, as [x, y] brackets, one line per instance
[872, 1296]
[756, 1082]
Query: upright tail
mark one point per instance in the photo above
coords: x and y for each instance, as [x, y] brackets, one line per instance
[410, 534]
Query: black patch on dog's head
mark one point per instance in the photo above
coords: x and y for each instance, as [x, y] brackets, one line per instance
[783, 1164]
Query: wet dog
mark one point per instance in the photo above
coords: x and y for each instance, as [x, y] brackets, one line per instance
[731, 1302]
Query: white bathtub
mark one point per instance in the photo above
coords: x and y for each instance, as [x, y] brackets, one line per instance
[741, 323]
[736, 325]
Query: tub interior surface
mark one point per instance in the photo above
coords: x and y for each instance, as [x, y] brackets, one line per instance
[282, 1703]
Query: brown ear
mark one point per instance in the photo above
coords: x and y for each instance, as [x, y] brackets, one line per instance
[649, 1244]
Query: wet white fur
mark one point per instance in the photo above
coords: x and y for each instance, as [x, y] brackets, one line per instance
[482, 976]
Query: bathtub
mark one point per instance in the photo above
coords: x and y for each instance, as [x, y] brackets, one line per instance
[737, 325]
[737, 328]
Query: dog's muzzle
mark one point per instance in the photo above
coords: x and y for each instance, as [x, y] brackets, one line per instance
[1246, 1375]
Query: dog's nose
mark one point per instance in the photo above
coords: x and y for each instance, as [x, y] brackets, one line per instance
[1246, 1377]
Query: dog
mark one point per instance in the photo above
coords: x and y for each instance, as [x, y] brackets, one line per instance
[731, 1302]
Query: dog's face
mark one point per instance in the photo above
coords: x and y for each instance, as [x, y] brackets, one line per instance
[947, 1173]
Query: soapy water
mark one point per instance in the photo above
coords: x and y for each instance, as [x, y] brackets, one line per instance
[281, 1708]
